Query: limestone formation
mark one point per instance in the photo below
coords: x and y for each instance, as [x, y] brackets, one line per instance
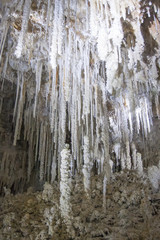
[79, 119]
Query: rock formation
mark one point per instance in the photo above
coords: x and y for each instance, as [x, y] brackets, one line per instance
[83, 74]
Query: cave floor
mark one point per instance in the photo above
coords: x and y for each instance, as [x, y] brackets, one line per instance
[129, 211]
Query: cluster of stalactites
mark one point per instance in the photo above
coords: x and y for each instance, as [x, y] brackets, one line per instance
[90, 59]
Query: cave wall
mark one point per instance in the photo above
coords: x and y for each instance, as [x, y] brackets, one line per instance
[13, 158]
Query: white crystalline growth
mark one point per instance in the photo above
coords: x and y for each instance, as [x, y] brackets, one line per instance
[117, 150]
[65, 190]
[154, 176]
[128, 157]
[144, 116]
[26, 12]
[139, 163]
[115, 31]
[54, 46]
[57, 34]
[93, 18]
[87, 165]
[112, 61]
[19, 47]
[60, 29]
[103, 43]
[47, 193]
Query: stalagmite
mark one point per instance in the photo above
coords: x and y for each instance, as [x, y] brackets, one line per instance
[134, 155]
[65, 189]
[139, 163]
[87, 165]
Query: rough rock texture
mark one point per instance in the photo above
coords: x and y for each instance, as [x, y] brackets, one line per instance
[132, 212]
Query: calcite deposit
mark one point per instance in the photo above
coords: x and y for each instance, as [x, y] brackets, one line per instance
[79, 119]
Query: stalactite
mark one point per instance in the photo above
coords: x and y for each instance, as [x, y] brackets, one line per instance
[60, 28]
[1, 104]
[92, 83]
[42, 150]
[19, 112]
[144, 116]
[3, 38]
[5, 65]
[54, 47]
[134, 155]
[157, 106]
[48, 17]
[21, 39]
[93, 18]
[38, 83]
[128, 157]
[17, 95]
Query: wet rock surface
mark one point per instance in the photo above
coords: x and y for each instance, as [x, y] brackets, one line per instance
[131, 211]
